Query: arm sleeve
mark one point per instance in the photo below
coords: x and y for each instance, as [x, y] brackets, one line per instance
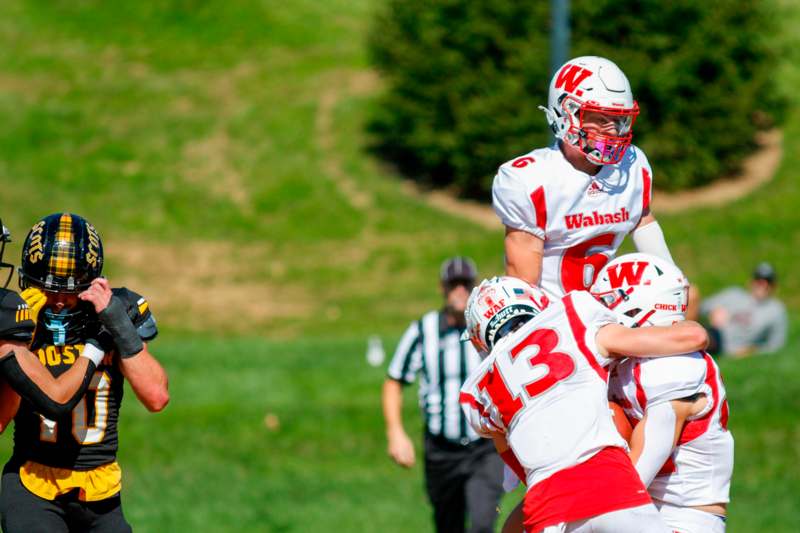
[659, 432]
[407, 359]
[649, 239]
[27, 389]
[513, 205]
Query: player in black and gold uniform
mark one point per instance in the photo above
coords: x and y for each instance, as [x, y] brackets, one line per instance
[20, 369]
[63, 475]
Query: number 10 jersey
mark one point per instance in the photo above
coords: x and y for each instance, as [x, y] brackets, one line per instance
[582, 219]
[87, 437]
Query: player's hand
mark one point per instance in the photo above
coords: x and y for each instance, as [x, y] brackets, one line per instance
[401, 449]
[98, 294]
[35, 298]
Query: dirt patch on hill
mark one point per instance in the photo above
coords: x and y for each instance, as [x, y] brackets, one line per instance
[336, 86]
[757, 170]
[208, 286]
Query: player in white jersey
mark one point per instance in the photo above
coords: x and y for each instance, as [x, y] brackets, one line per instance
[680, 445]
[542, 389]
[568, 207]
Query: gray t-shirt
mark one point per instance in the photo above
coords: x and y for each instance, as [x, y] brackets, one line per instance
[762, 324]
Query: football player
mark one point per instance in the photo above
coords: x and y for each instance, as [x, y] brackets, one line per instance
[21, 370]
[568, 207]
[680, 444]
[542, 388]
[63, 474]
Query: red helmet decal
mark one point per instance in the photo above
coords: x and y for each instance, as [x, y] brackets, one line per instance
[629, 273]
[570, 77]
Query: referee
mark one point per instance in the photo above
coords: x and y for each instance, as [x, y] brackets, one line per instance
[463, 473]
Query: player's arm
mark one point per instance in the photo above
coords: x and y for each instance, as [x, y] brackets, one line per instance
[51, 397]
[148, 379]
[524, 252]
[399, 447]
[146, 376]
[656, 436]
[615, 340]
[648, 238]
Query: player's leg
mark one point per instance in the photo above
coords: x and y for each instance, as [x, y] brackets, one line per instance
[484, 488]
[444, 482]
[688, 520]
[24, 512]
[104, 516]
[515, 520]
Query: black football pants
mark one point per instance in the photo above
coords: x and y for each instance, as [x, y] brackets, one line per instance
[464, 483]
[24, 512]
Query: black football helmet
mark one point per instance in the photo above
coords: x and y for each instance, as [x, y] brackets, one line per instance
[5, 238]
[62, 253]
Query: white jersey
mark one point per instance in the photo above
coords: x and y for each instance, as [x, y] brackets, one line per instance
[699, 470]
[583, 219]
[545, 386]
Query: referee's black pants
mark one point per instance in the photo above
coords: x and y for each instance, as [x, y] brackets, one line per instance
[463, 482]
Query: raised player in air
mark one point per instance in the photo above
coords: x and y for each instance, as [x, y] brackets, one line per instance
[568, 207]
[542, 389]
[21, 370]
[680, 444]
[63, 474]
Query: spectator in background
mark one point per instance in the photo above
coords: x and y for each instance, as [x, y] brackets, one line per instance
[744, 322]
[463, 473]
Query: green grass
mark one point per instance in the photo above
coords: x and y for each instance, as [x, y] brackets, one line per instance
[209, 463]
[187, 123]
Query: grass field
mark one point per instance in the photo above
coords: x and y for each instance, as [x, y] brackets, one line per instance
[219, 148]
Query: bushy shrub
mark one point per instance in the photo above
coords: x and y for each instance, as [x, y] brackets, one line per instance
[465, 78]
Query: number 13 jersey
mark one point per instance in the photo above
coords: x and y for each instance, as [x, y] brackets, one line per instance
[545, 386]
[582, 219]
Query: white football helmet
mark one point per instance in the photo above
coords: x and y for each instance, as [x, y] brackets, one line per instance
[497, 307]
[646, 290]
[592, 84]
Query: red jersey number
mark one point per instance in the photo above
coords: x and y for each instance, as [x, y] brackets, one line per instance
[578, 270]
[559, 366]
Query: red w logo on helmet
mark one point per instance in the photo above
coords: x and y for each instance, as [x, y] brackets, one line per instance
[570, 77]
[625, 273]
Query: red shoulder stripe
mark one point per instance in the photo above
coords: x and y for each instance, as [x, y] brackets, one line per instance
[646, 192]
[539, 204]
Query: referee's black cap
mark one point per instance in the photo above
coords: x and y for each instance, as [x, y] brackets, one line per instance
[458, 268]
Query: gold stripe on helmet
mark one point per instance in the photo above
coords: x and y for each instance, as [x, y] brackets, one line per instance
[62, 262]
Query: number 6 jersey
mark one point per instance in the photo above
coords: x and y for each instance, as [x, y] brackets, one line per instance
[582, 219]
[545, 386]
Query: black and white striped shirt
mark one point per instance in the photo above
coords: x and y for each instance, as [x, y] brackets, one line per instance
[433, 347]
